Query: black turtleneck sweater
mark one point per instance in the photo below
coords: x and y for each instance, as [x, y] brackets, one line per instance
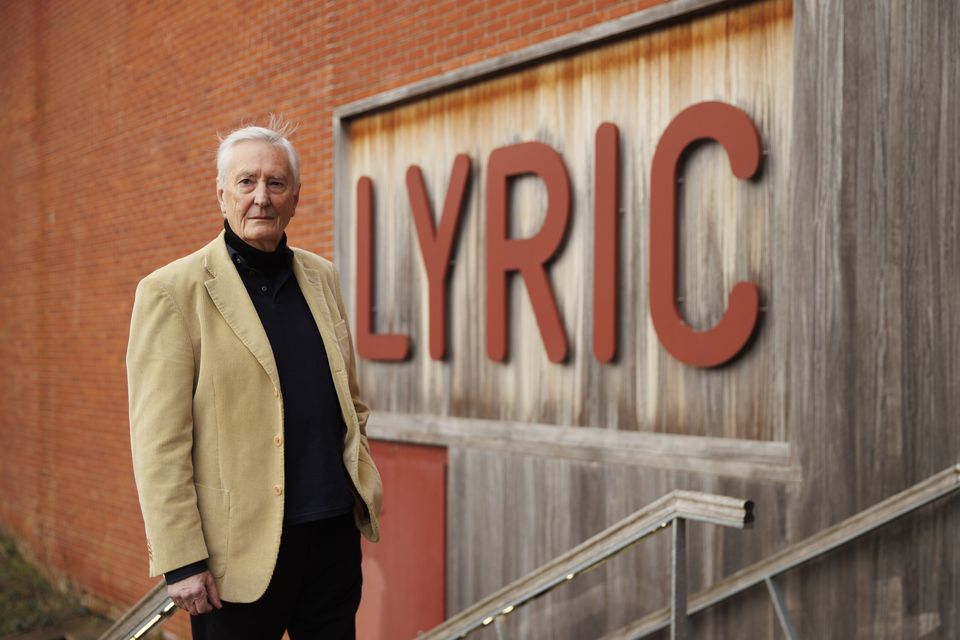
[316, 483]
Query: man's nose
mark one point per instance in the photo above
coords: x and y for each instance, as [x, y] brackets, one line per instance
[260, 196]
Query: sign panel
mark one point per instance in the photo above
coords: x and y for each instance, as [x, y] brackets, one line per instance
[588, 242]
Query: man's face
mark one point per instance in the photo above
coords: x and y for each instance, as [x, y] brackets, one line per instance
[257, 195]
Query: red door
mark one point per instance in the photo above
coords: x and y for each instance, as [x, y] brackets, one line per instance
[404, 584]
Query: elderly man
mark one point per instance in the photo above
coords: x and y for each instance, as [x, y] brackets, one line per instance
[247, 430]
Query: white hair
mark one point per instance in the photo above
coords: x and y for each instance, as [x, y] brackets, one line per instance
[275, 133]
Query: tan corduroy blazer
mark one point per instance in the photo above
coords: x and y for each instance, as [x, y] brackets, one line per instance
[206, 417]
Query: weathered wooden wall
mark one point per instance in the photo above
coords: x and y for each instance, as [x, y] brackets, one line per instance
[845, 397]
[876, 184]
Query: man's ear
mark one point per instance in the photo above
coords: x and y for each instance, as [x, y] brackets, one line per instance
[296, 200]
[223, 209]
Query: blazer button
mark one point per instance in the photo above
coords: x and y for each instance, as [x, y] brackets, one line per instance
[277, 489]
[277, 440]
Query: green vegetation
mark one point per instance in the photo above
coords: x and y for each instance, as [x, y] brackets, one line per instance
[27, 601]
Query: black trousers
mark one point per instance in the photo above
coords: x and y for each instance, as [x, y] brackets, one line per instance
[314, 591]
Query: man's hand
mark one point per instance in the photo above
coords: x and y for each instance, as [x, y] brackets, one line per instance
[195, 594]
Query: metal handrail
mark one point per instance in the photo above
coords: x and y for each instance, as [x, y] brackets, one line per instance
[764, 571]
[674, 509]
[151, 610]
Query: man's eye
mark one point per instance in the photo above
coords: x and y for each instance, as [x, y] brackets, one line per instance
[246, 181]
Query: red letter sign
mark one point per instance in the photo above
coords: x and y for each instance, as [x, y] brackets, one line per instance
[606, 194]
[436, 247]
[733, 129]
[528, 255]
[386, 346]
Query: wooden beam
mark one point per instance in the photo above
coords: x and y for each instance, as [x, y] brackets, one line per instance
[727, 457]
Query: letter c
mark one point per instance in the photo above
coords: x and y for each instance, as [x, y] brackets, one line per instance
[736, 132]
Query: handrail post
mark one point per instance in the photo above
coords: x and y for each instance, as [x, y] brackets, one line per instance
[500, 624]
[678, 586]
[781, 609]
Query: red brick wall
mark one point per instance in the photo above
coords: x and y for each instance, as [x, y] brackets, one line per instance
[109, 116]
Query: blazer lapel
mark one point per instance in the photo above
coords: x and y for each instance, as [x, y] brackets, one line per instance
[314, 292]
[232, 300]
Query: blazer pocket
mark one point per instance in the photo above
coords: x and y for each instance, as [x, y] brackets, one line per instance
[214, 507]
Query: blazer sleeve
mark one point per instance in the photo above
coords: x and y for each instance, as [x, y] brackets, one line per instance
[160, 380]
